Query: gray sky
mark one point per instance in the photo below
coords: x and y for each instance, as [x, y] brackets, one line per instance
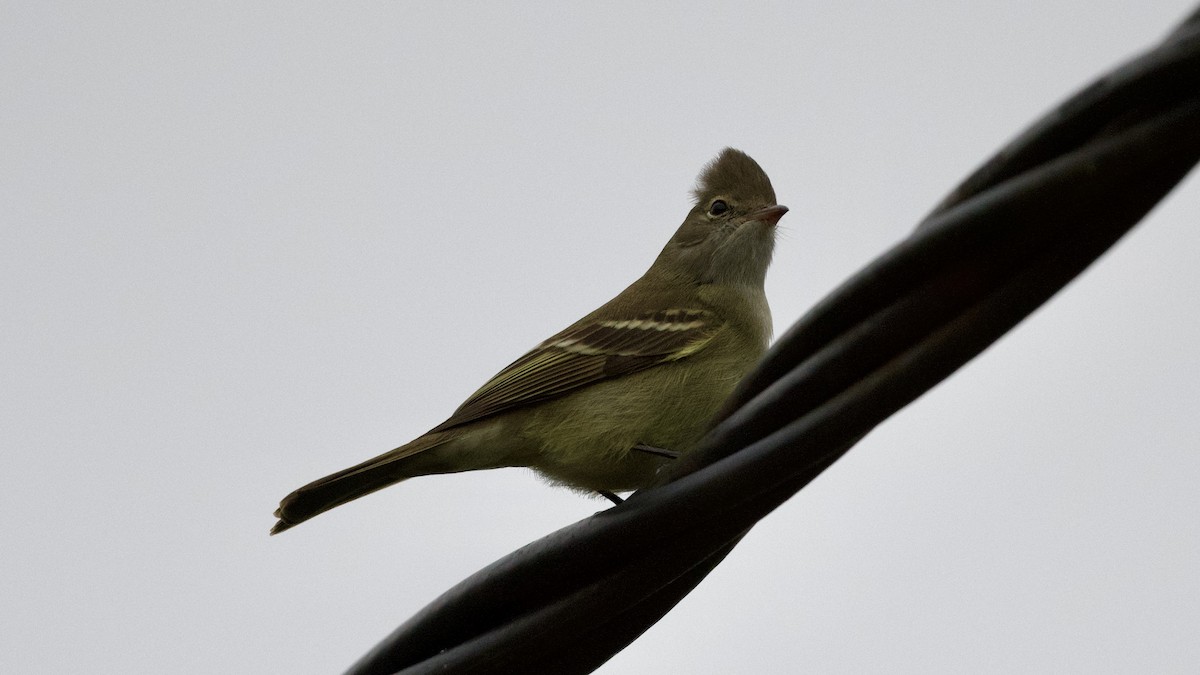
[245, 246]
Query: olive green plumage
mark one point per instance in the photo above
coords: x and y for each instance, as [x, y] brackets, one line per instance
[648, 368]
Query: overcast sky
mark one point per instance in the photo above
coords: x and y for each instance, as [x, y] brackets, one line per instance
[245, 245]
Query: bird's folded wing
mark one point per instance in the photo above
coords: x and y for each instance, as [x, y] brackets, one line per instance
[588, 353]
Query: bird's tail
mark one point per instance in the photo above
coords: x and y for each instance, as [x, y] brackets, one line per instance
[349, 484]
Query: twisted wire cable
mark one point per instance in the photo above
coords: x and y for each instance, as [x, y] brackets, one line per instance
[1002, 243]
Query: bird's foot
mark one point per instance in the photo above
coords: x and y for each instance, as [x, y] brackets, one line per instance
[610, 496]
[658, 452]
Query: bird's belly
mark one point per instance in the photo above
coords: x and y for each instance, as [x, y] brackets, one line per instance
[595, 430]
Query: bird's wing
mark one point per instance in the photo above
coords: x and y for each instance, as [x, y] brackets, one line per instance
[588, 353]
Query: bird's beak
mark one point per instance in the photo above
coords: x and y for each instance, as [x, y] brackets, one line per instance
[769, 215]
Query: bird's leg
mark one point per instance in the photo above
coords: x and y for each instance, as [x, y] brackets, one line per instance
[610, 496]
[649, 450]
[658, 452]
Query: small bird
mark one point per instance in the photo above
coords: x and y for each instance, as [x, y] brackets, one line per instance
[602, 405]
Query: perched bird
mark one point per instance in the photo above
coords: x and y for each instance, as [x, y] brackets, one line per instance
[599, 406]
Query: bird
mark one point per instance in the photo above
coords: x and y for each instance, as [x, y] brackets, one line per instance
[602, 405]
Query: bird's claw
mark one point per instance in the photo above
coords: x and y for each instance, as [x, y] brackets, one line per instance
[658, 452]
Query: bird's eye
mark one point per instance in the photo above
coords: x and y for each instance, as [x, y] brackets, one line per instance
[718, 207]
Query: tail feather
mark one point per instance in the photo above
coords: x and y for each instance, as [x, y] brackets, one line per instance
[349, 484]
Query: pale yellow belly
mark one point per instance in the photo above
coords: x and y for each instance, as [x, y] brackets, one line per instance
[669, 406]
